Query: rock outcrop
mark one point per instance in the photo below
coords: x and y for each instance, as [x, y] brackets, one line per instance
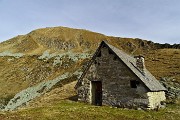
[173, 89]
[44, 54]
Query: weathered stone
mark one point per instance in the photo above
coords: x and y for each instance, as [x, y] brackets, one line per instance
[116, 81]
[172, 86]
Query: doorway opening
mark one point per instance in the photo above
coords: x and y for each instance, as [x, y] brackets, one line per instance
[96, 93]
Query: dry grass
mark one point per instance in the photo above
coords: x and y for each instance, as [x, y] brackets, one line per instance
[54, 96]
[18, 74]
[56, 105]
[164, 63]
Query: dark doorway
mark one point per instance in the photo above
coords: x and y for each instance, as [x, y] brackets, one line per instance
[96, 93]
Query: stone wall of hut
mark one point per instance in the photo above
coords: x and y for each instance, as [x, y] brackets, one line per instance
[116, 80]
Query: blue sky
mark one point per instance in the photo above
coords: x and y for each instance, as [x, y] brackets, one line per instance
[156, 20]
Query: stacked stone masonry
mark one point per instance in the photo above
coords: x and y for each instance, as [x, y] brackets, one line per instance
[116, 80]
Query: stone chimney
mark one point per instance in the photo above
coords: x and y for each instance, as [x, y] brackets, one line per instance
[140, 62]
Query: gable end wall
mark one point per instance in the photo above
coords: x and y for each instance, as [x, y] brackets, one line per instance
[115, 77]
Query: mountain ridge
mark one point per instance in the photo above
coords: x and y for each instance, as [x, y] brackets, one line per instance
[68, 35]
[46, 53]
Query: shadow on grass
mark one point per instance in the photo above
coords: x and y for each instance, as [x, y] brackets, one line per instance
[73, 98]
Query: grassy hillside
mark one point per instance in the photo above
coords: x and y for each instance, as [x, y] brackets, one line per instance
[68, 110]
[47, 53]
[164, 63]
[60, 104]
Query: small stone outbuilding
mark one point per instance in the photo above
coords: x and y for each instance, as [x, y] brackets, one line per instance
[115, 78]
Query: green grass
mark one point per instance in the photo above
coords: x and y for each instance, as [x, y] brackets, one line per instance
[79, 111]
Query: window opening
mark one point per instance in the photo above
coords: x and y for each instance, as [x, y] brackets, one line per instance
[134, 83]
[99, 54]
[110, 52]
[115, 57]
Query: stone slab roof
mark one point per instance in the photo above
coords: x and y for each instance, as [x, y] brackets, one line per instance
[146, 77]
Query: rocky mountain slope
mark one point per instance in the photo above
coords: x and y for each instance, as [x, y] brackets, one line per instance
[43, 57]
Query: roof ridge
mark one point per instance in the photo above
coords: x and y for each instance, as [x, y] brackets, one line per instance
[147, 78]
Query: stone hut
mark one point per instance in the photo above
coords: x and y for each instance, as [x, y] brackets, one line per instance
[115, 78]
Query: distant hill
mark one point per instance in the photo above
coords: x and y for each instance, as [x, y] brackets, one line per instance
[45, 54]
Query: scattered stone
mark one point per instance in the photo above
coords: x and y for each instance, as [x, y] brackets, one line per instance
[10, 54]
[22, 98]
[173, 88]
